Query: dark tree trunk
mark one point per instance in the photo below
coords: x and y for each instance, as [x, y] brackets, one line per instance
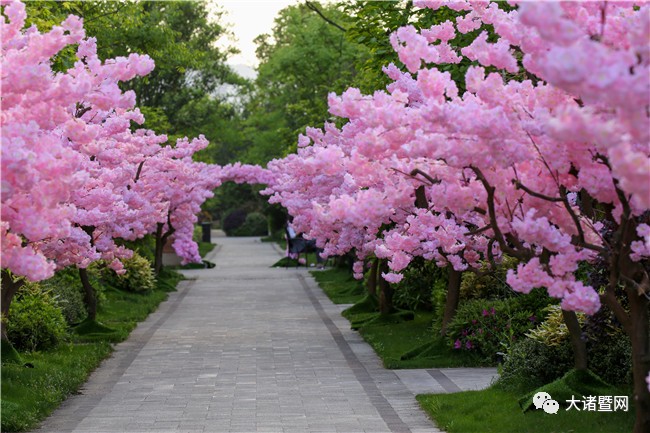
[90, 297]
[371, 284]
[161, 240]
[453, 296]
[9, 289]
[158, 254]
[579, 345]
[385, 290]
[640, 338]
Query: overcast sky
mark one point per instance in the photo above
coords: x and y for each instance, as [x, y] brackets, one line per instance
[248, 19]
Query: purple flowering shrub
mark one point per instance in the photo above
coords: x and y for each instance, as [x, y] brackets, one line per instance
[489, 327]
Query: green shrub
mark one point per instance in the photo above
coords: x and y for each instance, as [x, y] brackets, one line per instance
[35, 321]
[438, 300]
[65, 288]
[534, 364]
[488, 327]
[611, 359]
[415, 290]
[233, 220]
[490, 285]
[553, 331]
[145, 246]
[255, 224]
[548, 349]
[609, 348]
[139, 276]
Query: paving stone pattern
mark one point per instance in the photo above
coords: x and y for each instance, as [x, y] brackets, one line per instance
[244, 347]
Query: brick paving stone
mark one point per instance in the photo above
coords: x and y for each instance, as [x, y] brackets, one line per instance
[244, 347]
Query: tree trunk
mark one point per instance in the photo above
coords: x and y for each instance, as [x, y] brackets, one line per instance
[9, 289]
[385, 290]
[90, 297]
[453, 296]
[161, 240]
[640, 338]
[371, 284]
[579, 345]
[157, 258]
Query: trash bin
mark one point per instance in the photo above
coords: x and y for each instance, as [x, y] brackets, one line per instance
[206, 232]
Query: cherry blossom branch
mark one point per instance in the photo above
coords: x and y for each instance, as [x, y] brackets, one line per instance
[519, 185]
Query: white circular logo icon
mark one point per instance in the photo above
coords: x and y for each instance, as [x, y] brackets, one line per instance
[551, 406]
[543, 400]
[540, 398]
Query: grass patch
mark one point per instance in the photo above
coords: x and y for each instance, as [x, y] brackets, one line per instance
[339, 285]
[29, 395]
[495, 410]
[392, 341]
[399, 341]
[123, 310]
[205, 248]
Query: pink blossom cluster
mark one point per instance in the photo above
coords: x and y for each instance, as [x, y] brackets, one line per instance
[178, 186]
[245, 173]
[502, 165]
[75, 176]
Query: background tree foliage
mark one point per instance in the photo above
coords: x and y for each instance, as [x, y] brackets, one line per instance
[181, 96]
[301, 61]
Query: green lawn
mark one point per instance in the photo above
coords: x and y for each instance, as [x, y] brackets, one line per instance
[413, 344]
[394, 342]
[497, 411]
[393, 338]
[30, 392]
[205, 248]
[339, 285]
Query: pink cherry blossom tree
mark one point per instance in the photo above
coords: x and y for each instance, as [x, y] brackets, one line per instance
[178, 185]
[547, 159]
[73, 169]
[40, 172]
[99, 131]
[564, 162]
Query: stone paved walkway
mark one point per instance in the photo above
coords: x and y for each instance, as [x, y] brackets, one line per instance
[244, 347]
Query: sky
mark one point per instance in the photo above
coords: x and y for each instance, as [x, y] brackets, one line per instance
[248, 19]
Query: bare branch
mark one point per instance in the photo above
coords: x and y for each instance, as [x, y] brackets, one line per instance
[529, 191]
[313, 7]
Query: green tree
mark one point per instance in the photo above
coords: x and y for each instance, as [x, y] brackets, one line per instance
[374, 21]
[301, 61]
[179, 36]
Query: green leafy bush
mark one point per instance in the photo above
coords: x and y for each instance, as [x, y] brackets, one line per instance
[553, 331]
[533, 363]
[255, 224]
[547, 354]
[488, 327]
[35, 321]
[145, 246]
[414, 292]
[139, 276]
[491, 285]
[609, 348]
[233, 220]
[65, 288]
[611, 359]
